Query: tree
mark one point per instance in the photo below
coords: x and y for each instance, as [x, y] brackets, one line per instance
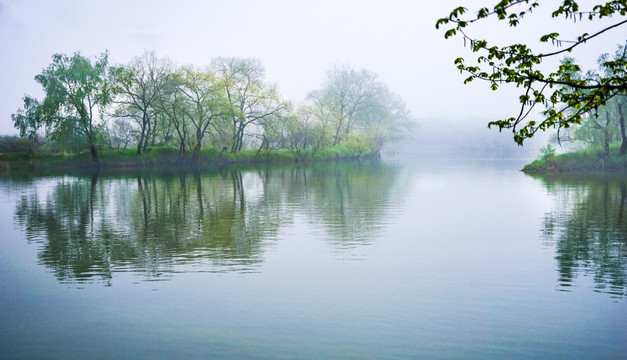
[620, 105]
[298, 131]
[346, 93]
[139, 86]
[598, 128]
[120, 134]
[386, 119]
[605, 123]
[172, 105]
[355, 107]
[566, 100]
[205, 102]
[248, 98]
[617, 103]
[270, 127]
[324, 117]
[76, 92]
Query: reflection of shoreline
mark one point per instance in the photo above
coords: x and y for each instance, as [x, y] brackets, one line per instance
[589, 230]
[91, 227]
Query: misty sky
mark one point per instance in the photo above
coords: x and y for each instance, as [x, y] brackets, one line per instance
[296, 41]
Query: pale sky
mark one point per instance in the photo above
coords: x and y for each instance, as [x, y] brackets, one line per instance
[295, 40]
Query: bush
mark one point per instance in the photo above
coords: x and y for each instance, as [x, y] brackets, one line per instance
[591, 159]
[547, 152]
[209, 153]
[15, 144]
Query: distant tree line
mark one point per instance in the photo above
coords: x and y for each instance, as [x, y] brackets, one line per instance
[90, 105]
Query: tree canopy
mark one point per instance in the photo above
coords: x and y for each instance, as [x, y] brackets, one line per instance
[139, 87]
[565, 100]
[76, 92]
[355, 106]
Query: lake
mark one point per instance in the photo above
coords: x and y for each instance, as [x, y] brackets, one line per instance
[350, 260]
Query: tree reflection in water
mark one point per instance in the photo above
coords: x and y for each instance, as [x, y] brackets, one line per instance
[589, 230]
[88, 228]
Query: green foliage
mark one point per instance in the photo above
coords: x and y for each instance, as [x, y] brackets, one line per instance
[76, 90]
[210, 153]
[566, 99]
[14, 144]
[227, 156]
[249, 101]
[547, 152]
[275, 156]
[226, 113]
[586, 160]
[355, 103]
[245, 156]
[139, 87]
[336, 152]
[605, 123]
[170, 157]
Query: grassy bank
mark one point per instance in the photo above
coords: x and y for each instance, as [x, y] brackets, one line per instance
[582, 161]
[169, 157]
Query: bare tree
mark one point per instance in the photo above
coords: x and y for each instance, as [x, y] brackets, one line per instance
[139, 87]
[121, 134]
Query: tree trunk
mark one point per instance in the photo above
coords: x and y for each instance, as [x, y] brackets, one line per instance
[336, 138]
[94, 154]
[240, 137]
[140, 144]
[196, 151]
[263, 142]
[621, 120]
[154, 131]
[606, 143]
[147, 135]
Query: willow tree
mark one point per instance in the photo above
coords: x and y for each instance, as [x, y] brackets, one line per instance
[564, 100]
[77, 91]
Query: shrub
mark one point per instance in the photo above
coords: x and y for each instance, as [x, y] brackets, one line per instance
[15, 144]
[547, 152]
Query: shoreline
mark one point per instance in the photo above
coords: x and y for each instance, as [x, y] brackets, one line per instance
[585, 161]
[168, 159]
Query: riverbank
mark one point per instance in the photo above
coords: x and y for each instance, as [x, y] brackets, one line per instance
[169, 157]
[582, 161]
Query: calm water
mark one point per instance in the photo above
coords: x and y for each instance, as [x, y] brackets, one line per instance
[352, 260]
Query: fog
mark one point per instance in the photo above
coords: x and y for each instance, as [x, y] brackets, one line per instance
[296, 41]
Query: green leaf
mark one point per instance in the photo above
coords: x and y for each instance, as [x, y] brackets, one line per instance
[449, 33]
[441, 21]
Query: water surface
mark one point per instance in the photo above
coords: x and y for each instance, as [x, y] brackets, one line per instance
[331, 260]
